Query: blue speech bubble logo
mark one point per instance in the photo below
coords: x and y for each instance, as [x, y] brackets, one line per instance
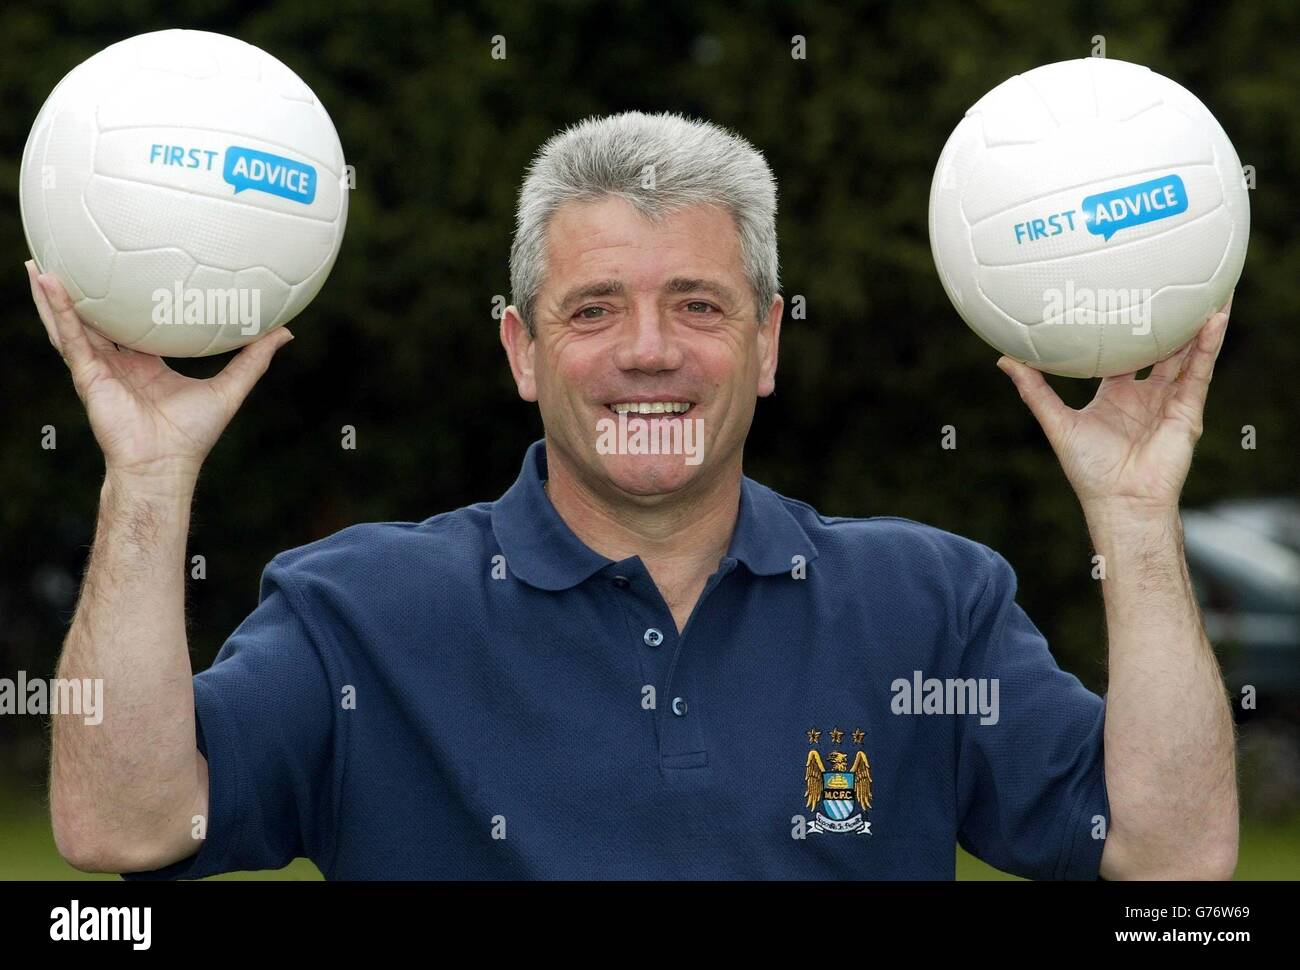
[247, 168]
[1106, 213]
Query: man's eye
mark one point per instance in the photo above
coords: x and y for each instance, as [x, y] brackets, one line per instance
[699, 306]
[586, 312]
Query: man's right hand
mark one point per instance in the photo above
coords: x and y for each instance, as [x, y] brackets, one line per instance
[151, 422]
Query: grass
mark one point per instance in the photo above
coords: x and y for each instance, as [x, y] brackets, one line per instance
[1268, 851]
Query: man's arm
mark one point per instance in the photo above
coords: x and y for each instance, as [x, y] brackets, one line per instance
[1169, 746]
[124, 791]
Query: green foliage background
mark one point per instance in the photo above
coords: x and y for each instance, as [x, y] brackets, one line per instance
[402, 343]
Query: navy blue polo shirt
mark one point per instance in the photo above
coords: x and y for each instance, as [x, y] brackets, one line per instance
[481, 695]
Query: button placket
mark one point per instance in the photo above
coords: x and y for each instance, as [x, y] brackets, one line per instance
[632, 591]
[681, 730]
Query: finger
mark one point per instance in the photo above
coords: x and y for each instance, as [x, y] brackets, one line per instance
[46, 313]
[101, 343]
[43, 306]
[1205, 348]
[1043, 402]
[1194, 385]
[74, 345]
[1118, 379]
[1167, 370]
[97, 340]
[238, 377]
[1209, 341]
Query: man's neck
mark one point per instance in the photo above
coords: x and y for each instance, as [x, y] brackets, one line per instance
[680, 540]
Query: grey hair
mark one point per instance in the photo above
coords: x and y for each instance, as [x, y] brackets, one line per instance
[694, 162]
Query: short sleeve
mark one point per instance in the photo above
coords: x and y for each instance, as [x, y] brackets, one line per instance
[1031, 785]
[265, 721]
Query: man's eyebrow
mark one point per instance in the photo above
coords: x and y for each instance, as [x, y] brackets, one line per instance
[677, 285]
[687, 284]
[591, 291]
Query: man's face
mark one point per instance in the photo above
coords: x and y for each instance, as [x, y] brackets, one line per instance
[633, 312]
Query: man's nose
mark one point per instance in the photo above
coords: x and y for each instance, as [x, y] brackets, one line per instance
[648, 341]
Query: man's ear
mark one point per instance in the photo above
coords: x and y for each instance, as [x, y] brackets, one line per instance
[769, 338]
[520, 350]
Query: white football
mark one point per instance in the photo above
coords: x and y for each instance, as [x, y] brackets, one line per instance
[188, 190]
[1087, 217]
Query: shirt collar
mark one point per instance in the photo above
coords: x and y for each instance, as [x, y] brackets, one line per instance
[542, 550]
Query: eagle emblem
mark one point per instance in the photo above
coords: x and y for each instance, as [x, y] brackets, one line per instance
[841, 790]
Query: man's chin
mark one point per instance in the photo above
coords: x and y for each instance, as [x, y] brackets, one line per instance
[648, 475]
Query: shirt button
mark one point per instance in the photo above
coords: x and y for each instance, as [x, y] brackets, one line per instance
[653, 637]
[679, 706]
[620, 582]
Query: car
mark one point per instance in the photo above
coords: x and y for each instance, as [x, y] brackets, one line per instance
[1244, 560]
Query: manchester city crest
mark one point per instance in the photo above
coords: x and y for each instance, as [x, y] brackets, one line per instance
[842, 788]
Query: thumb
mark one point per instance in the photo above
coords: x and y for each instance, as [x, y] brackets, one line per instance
[238, 377]
[1042, 401]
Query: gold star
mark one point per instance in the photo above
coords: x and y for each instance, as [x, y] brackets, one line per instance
[837, 735]
[814, 735]
[858, 735]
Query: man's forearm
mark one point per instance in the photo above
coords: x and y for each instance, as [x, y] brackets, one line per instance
[118, 782]
[1169, 740]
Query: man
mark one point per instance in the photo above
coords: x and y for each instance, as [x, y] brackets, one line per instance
[640, 664]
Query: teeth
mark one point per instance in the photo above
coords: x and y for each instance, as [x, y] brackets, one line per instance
[652, 407]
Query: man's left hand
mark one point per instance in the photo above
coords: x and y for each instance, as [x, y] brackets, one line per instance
[1131, 447]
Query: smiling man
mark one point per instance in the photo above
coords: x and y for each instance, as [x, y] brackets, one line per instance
[634, 664]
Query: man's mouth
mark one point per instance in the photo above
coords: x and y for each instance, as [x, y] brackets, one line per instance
[651, 407]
